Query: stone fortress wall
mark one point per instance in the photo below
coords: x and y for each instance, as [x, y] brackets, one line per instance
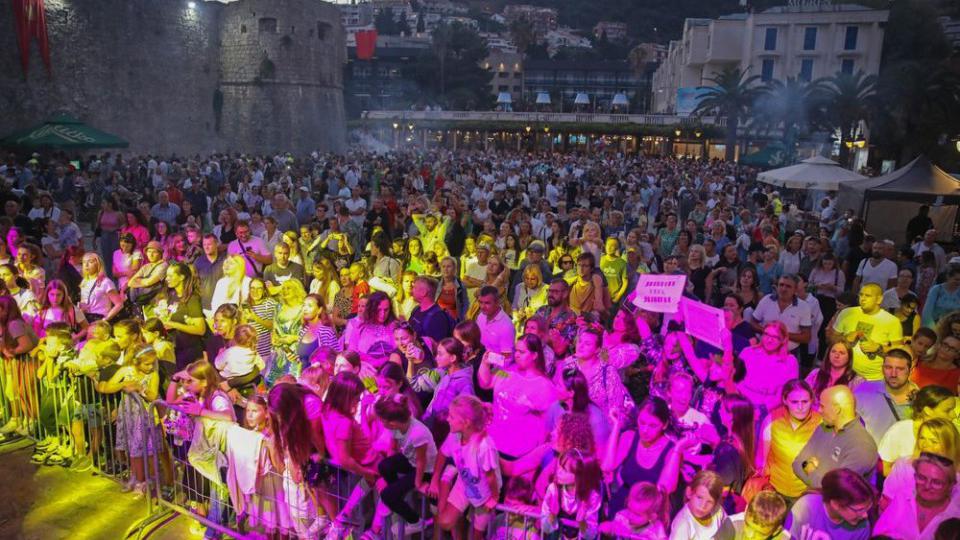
[249, 76]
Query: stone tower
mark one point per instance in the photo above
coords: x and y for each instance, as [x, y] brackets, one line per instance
[281, 76]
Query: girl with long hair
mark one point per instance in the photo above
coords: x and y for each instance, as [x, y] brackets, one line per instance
[126, 260]
[20, 389]
[374, 338]
[19, 289]
[286, 333]
[99, 297]
[178, 308]
[259, 310]
[836, 369]
[28, 263]
[57, 306]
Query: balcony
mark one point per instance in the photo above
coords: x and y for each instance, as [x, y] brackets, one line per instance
[541, 118]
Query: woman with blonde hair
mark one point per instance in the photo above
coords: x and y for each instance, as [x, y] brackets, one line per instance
[287, 327]
[99, 297]
[233, 287]
[938, 436]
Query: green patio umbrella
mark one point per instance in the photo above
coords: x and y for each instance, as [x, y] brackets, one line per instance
[64, 132]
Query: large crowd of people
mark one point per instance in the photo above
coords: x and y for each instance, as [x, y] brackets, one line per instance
[461, 329]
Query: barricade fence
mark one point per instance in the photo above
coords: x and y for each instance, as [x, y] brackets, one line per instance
[61, 411]
[216, 473]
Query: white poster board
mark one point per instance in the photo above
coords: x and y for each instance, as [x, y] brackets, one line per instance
[659, 293]
[703, 322]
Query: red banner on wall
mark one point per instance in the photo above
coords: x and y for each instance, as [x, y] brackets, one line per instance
[31, 23]
[366, 44]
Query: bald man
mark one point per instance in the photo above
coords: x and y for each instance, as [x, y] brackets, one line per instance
[869, 330]
[840, 441]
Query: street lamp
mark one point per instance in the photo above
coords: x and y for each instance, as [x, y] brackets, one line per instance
[677, 132]
[546, 129]
[395, 125]
[528, 128]
[698, 133]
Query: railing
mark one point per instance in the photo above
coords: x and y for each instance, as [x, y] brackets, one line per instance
[545, 117]
[214, 473]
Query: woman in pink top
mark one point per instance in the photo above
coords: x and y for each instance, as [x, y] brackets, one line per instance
[768, 366]
[522, 393]
[347, 445]
[136, 228]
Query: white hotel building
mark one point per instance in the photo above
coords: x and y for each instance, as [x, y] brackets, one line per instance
[807, 39]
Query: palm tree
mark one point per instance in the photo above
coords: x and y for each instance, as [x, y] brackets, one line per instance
[790, 106]
[731, 96]
[849, 99]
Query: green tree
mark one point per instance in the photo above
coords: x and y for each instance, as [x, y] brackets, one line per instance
[451, 74]
[421, 24]
[918, 86]
[521, 30]
[848, 100]
[731, 96]
[790, 106]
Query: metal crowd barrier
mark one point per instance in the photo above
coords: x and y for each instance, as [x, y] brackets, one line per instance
[63, 415]
[63, 410]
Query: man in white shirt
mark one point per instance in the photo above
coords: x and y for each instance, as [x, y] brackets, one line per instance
[496, 329]
[357, 206]
[929, 243]
[784, 306]
[877, 269]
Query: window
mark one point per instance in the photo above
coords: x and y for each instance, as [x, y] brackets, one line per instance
[810, 38]
[806, 69]
[516, 89]
[503, 74]
[518, 75]
[322, 30]
[766, 70]
[850, 38]
[267, 25]
[770, 39]
[846, 66]
[503, 88]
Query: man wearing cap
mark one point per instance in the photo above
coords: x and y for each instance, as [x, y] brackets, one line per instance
[474, 269]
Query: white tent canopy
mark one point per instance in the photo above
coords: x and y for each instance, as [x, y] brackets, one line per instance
[504, 98]
[543, 98]
[582, 99]
[818, 173]
[620, 100]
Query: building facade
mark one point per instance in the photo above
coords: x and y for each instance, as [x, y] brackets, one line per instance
[542, 19]
[249, 75]
[615, 31]
[806, 41]
[385, 81]
[507, 70]
[600, 81]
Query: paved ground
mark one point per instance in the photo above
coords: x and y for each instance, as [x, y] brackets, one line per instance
[47, 503]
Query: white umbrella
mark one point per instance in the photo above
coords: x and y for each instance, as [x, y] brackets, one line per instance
[504, 98]
[814, 173]
[581, 99]
[543, 98]
[620, 100]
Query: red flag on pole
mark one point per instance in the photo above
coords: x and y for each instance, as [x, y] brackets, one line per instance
[31, 22]
[366, 44]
